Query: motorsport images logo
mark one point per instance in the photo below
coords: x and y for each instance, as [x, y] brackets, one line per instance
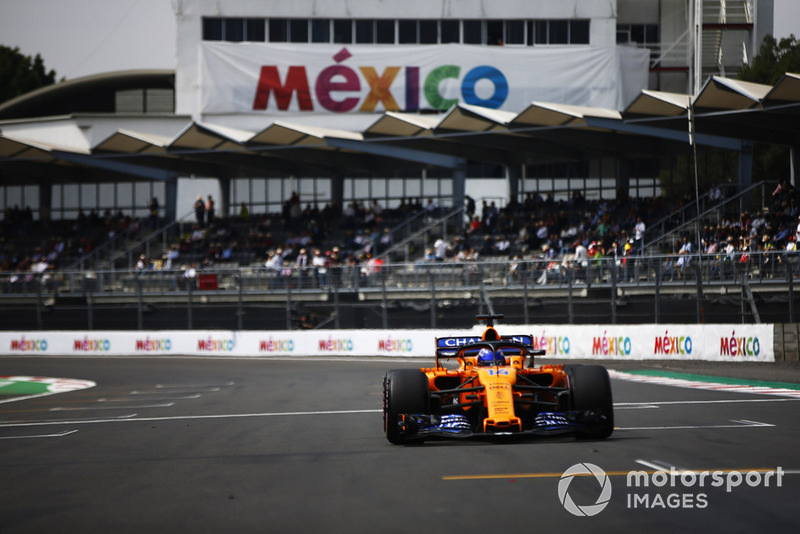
[584, 470]
[644, 487]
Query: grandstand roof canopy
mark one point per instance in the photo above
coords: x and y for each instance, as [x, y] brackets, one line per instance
[49, 135]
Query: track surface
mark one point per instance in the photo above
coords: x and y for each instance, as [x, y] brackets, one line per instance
[205, 445]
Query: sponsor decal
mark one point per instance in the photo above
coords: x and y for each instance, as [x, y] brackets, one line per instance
[739, 346]
[276, 345]
[395, 345]
[554, 345]
[91, 345]
[24, 344]
[149, 344]
[215, 345]
[335, 345]
[339, 88]
[668, 344]
[606, 345]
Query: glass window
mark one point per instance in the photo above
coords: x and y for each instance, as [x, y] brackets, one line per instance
[298, 30]
[428, 32]
[559, 32]
[515, 32]
[494, 32]
[637, 33]
[124, 197]
[651, 33]
[234, 30]
[450, 31]
[342, 31]
[277, 31]
[540, 32]
[365, 31]
[385, 31]
[255, 30]
[321, 31]
[212, 29]
[407, 32]
[473, 32]
[579, 32]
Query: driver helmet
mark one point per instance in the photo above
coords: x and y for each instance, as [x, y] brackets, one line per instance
[487, 357]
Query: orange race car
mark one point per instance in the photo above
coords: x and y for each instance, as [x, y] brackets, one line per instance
[496, 389]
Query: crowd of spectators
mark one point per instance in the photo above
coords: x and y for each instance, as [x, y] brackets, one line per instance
[302, 236]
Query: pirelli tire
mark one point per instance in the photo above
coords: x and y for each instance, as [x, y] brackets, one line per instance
[590, 390]
[405, 391]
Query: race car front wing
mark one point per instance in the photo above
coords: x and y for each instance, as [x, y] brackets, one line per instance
[458, 426]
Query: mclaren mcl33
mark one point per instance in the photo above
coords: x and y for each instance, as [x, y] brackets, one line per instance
[495, 389]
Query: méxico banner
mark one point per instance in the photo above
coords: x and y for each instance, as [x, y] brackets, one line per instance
[720, 342]
[283, 79]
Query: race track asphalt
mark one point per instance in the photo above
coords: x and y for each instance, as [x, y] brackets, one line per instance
[296, 445]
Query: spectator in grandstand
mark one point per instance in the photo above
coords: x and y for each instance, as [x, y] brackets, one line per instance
[580, 260]
[152, 220]
[684, 255]
[475, 225]
[210, 210]
[638, 235]
[244, 213]
[142, 264]
[469, 210]
[320, 264]
[200, 211]
[440, 247]
[385, 241]
[429, 256]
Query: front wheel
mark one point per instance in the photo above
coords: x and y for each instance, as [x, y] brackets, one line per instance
[590, 391]
[405, 391]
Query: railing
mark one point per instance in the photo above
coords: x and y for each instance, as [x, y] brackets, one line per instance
[493, 274]
[687, 217]
[599, 291]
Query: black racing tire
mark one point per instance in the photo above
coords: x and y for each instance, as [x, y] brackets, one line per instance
[404, 391]
[590, 389]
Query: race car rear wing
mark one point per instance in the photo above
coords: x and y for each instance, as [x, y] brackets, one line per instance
[448, 347]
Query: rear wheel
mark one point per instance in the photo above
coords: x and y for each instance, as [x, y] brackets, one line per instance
[405, 391]
[590, 390]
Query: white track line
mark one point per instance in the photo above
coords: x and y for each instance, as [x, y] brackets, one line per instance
[59, 435]
[184, 418]
[738, 424]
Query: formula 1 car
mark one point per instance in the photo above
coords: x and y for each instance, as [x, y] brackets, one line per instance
[493, 392]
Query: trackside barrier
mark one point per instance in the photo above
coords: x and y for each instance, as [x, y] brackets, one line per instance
[721, 342]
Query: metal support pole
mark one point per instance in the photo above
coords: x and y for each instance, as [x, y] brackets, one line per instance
[288, 285]
[240, 303]
[433, 299]
[700, 314]
[790, 281]
[39, 284]
[336, 303]
[90, 311]
[657, 299]
[139, 303]
[384, 305]
[614, 294]
[570, 317]
[524, 275]
[189, 283]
